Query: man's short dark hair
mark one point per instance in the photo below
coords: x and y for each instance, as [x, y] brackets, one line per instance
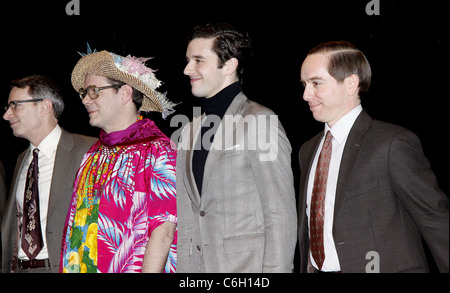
[344, 60]
[228, 43]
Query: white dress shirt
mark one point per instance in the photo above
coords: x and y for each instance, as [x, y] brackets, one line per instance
[340, 133]
[46, 161]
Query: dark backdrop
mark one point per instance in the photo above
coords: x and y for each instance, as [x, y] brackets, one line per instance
[404, 45]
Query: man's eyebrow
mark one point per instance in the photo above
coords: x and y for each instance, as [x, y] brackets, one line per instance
[311, 79]
[314, 78]
[195, 57]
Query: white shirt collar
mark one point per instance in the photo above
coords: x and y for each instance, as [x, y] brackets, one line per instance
[49, 145]
[342, 128]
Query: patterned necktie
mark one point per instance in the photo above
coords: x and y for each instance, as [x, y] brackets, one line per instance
[32, 242]
[318, 202]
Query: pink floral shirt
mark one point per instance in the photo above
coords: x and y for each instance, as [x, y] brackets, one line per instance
[124, 189]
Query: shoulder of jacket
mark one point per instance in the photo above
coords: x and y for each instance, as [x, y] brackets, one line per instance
[389, 130]
[69, 140]
[254, 108]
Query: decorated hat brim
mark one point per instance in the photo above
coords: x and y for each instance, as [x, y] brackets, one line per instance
[102, 64]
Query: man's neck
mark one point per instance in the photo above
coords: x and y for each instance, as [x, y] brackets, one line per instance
[41, 133]
[219, 103]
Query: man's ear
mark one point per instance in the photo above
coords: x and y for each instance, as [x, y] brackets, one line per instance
[231, 66]
[352, 84]
[46, 107]
[126, 93]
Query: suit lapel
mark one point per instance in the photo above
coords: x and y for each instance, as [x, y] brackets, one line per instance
[61, 169]
[12, 200]
[193, 135]
[308, 153]
[19, 166]
[223, 136]
[10, 223]
[355, 141]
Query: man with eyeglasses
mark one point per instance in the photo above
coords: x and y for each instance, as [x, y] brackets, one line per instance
[33, 111]
[123, 214]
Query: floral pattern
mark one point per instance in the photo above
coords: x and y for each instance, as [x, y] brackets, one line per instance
[122, 193]
[136, 67]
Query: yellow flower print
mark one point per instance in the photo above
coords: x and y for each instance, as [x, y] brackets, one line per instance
[74, 258]
[80, 218]
[91, 241]
[83, 268]
[80, 252]
[80, 199]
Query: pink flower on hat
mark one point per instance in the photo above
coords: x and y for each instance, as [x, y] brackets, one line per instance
[136, 65]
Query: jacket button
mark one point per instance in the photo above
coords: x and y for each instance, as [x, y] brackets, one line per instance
[202, 213]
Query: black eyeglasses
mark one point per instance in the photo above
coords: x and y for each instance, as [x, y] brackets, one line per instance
[12, 105]
[93, 91]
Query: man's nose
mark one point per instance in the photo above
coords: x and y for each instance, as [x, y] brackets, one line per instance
[307, 93]
[8, 114]
[86, 100]
[188, 69]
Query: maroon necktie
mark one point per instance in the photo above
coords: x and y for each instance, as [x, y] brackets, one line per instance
[318, 202]
[32, 242]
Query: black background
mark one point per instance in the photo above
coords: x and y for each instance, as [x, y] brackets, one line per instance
[404, 45]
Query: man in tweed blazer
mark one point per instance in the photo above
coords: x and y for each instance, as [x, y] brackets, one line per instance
[235, 194]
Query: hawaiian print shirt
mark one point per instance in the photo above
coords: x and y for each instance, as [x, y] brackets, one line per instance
[124, 189]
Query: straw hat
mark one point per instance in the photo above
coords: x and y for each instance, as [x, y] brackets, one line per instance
[130, 70]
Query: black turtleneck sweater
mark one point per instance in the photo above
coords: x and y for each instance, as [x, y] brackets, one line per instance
[216, 105]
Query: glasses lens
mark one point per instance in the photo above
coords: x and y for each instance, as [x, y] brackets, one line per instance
[92, 91]
[11, 105]
[82, 93]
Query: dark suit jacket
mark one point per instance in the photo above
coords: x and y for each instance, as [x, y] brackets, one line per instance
[2, 192]
[387, 197]
[71, 149]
